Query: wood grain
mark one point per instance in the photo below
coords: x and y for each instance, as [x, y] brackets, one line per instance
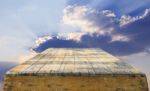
[73, 61]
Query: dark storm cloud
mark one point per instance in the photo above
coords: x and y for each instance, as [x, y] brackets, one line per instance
[138, 32]
[88, 41]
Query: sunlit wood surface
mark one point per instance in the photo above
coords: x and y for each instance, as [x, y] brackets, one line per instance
[60, 69]
[62, 61]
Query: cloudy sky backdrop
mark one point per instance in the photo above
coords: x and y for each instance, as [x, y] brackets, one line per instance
[120, 27]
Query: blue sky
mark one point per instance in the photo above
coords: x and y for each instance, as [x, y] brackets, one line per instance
[23, 22]
[120, 27]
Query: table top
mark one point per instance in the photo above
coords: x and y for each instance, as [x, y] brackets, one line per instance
[73, 61]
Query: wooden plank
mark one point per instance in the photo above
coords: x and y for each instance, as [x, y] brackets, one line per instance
[36, 65]
[88, 66]
[74, 61]
[98, 67]
[18, 69]
[81, 67]
[67, 66]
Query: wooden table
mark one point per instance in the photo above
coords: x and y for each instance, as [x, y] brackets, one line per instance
[74, 69]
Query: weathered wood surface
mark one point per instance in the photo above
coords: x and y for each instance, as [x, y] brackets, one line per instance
[73, 61]
[74, 70]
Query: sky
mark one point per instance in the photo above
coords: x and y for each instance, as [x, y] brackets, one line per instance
[120, 27]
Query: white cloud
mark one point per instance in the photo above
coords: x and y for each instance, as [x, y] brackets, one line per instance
[108, 13]
[41, 40]
[75, 36]
[79, 16]
[146, 13]
[91, 21]
[45, 38]
[119, 37]
[126, 19]
[75, 16]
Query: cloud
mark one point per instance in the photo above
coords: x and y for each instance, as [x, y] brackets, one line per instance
[108, 13]
[41, 40]
[76, 36]
[87, 19]
[91, 21]
[125, 20]
[119, 38]
[119, 7]
[103, 29]
[89, 41]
